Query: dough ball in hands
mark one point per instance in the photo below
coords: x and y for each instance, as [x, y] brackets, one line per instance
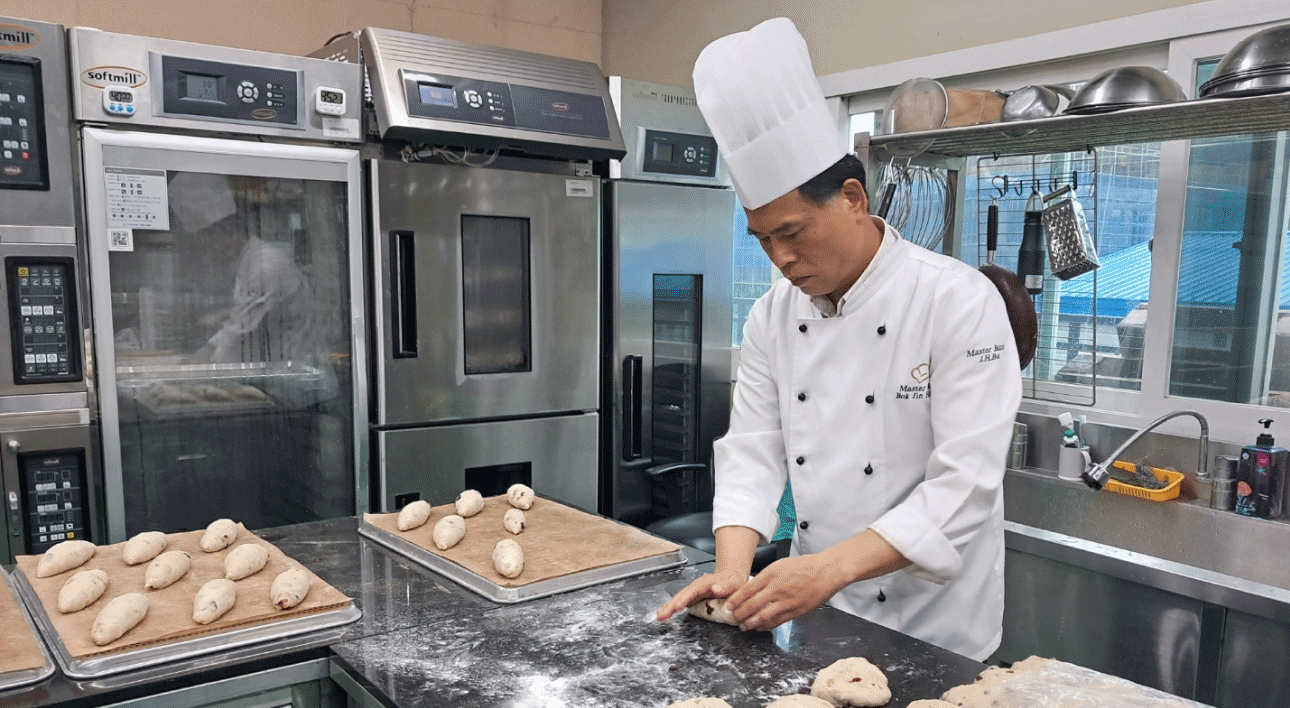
[219, 535]
[143, 547]
[799, 701]
[118, 617]
[81, 590]
[514, 521]
[852, 682]
[289, 588]
[62, 557]
[166, 568]
[704, 702]
[214, 599]
[469, 503]
[414, 515]
[245, 560]
[714, 610]
[508, 558]
[448, 532]
[520, 496]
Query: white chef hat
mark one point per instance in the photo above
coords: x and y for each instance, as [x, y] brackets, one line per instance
[761, 100]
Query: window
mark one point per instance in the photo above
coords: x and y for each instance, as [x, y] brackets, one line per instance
[1229, 343]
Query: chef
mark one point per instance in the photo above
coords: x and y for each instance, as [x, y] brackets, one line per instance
[881, 378]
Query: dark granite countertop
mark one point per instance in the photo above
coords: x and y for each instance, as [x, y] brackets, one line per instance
[600, 646]
[425, 641]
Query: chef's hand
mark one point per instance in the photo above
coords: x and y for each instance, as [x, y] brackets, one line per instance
[791, 587]
[787, 588]
[735, 546]
[719, 584]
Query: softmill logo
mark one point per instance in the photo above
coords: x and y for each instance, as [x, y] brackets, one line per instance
[104, 76]
[17, 37]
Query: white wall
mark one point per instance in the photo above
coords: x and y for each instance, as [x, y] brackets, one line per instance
[658, 40]
[566, 28]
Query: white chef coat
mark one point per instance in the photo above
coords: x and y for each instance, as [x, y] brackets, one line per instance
[894, 415]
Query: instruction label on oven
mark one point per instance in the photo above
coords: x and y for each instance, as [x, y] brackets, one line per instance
[136, 198]
[579, 188]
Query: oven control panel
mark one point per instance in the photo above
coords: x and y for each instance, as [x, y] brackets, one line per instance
[211, 89]
[23, 163]
[678, 154]
[42, 319]
[53, 489]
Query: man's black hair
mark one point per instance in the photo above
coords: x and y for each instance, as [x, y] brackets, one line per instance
[822, 187]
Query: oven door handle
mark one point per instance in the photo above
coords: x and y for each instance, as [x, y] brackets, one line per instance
[403, 296]
[632, 442]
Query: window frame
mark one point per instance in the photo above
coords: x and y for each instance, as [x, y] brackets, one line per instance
[1175, 40]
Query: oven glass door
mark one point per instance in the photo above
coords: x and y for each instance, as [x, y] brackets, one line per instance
[225, 301]
[488, 288]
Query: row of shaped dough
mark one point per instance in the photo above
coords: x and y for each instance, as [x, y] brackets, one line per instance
[508, 555]
[213, 600]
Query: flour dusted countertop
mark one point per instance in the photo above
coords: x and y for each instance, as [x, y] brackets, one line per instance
[600, 647]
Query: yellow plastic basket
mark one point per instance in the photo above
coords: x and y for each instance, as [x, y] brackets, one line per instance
[1173, 480]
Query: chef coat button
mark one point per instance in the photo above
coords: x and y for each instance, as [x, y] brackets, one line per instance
[868, 469]
[801, 396]
[882, 329]
[801, 328]
[881, 597]
[801, 460]
[804, 525]
[869, 398]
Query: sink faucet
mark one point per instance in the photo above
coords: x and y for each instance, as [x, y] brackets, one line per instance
[1096, 475]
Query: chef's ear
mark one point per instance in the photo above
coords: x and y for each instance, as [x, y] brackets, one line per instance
[857, 199]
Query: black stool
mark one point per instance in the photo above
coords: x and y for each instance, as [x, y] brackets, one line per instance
[695, 530]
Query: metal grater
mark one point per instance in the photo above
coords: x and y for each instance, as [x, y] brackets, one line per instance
[1070, 246]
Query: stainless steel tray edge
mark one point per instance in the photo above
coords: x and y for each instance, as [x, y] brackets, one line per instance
[182, 649]
[14, 679]
[543, 588]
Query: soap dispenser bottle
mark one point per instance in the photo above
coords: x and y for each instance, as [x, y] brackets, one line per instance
[1260, 488]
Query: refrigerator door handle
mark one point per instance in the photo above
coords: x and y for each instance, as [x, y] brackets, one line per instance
[404, 296]
[632, 441]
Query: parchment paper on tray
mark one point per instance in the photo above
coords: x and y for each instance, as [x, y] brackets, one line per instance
[22, 650]
[557, 540]
[170, 609]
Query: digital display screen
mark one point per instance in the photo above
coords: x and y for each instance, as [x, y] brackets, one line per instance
[22, 156]
[663, 152]
[121, 96]
[438, 95]
[335, 97]
[200, 87]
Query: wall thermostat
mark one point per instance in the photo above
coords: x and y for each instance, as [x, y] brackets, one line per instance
[330, 101]
[119, 100]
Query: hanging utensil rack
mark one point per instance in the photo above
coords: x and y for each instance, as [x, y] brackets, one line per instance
[1065, 368]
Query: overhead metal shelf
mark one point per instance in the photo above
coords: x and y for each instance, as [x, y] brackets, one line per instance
[1203, 118]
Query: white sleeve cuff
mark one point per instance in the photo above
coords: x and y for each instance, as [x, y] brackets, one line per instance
[916, 538]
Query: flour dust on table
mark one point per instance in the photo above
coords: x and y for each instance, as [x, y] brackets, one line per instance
[605, 651]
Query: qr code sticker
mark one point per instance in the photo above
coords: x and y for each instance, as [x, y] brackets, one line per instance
[120, 240]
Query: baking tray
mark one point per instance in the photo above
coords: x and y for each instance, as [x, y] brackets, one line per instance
[532, 591]
[150, 370]
[301, 627]
[142, 392]
[14, 679]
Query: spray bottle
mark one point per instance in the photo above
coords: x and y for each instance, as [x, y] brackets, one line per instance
[1069, 438]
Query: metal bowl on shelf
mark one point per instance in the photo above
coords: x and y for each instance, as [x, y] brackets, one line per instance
[1257, 64]
[1126, 87]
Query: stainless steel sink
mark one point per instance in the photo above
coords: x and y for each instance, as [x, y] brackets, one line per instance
[1211, 546]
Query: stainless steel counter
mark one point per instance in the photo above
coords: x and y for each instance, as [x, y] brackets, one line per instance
[1173, 595]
